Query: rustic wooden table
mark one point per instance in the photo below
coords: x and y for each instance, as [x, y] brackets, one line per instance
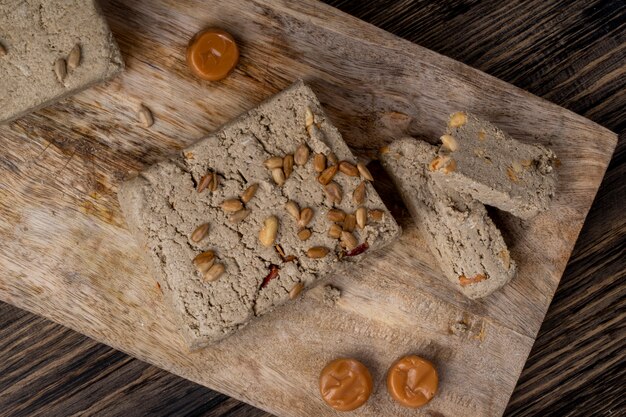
[571, 53]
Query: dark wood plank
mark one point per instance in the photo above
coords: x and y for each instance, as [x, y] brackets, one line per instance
[568, 52]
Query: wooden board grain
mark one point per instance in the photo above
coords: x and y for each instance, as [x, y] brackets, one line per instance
[69, 257]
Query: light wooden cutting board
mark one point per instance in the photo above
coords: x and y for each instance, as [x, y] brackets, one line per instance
[66, 252]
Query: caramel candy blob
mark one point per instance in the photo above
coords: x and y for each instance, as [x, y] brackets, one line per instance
[212, 54]
[412, 381]
[345, 384]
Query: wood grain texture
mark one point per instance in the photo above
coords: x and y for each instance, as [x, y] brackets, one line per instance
[530, 400]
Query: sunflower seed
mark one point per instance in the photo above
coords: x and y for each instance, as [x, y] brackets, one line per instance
[238, 216]
[308, 117]
[457, 119]
[449, 142]
[200, 232]
[145, 116]
[304, 234]
[204, 261]
[335, 231]
[249, 193]
[332, 158]
[293, 209]
[361, 217]
[348, 239]
[73, 59]
[296, 290]
[214, 273]
[365, 173]
[280, 250]
[319, 162]
[215, 182]
[333, 192]
[267, 234]
[358, 196]
[205, 181]
[336, 215]
[376, 215]
[279, 176]
[349, 223]
[231, 205]
[327, 175]
[301, 155]
[60, 69]
[317, 252]
[273, 162]
[288, 165]
[306, 215]
[348, 169]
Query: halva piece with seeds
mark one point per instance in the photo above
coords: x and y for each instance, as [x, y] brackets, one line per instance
[53, 49]
[466, 243]
[479, 159]
[281, 244]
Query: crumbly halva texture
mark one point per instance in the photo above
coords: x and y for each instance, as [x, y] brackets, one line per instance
[164, 208]
[54, 49]
[479, 159]
[468, 246]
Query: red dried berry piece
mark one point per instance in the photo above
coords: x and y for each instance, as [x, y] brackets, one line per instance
[273, 274]
[358, 250]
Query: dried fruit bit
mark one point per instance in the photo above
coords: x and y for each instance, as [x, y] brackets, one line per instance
[358, 250]
[465, 281]
[214, 272]
[274, 270]
[301, 156]
[205, 181]
[200, 233]
[336, 215]
[306, 215]
[457, 119]
[296, 290]
[73, 59]
[231, 205]
[273, 162]
[319, 162]
[361, 217]
[293, 209]
[238, 216]
[304, 234]
[449, 143]
[279, 176]
[335, 231]
[267, 234]
[317, 252]
[249, 193]
[376, 215]
[327, 175]
[348, 169]
[349, 223]
[349, 240]
[288, 165]
[60, 69]
[204, 261]
[145, 116]
[365, 173]
[358, 196]
[333, 192]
